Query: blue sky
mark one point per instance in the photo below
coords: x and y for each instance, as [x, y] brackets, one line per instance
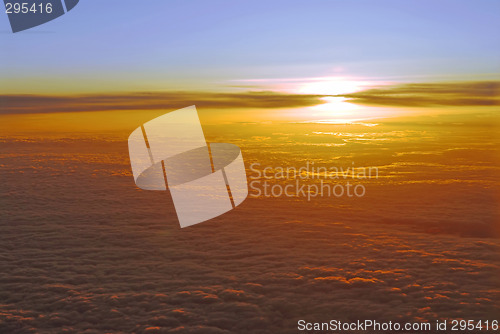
[158, 44]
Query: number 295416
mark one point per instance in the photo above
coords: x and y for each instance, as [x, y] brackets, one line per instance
[25, 8]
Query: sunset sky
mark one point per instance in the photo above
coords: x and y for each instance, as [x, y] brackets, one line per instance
[333, 61]
[224, 45]
[410, 88]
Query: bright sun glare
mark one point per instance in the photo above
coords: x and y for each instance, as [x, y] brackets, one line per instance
[332, 86]
[336, 107]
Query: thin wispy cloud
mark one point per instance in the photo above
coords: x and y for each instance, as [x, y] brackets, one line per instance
[478, 93]
[481, 93]
[26, 104]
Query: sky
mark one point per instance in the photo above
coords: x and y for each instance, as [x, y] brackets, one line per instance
[113, 45]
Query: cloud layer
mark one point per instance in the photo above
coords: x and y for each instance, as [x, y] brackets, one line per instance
[82, 250]
[486, 93]
[23, 104]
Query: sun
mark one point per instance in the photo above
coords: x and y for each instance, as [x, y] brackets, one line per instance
[337, 107]
[332, 86]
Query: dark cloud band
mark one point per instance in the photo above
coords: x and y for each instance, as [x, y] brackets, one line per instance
[484, 93]
[479, 93]
[28, 104]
